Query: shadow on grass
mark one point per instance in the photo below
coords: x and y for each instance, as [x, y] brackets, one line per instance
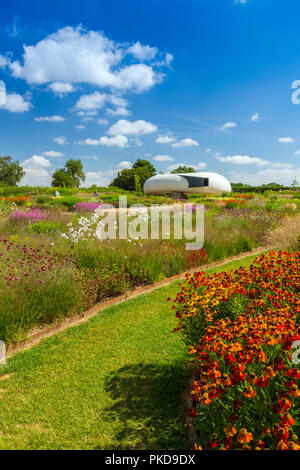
[149, 406]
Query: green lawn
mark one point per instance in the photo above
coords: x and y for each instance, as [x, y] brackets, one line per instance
[114, 382]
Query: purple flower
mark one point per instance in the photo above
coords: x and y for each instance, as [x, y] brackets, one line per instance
[86, 206]
[33, 215]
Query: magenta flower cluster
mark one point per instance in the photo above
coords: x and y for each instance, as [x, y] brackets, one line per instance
[20, 261]
[33, 215]
[86, 206]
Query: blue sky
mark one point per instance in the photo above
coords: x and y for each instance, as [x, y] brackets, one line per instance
[207, 83]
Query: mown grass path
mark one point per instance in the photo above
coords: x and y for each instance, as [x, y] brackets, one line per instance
[114, 382]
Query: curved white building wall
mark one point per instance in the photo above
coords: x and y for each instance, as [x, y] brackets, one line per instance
[187, 183]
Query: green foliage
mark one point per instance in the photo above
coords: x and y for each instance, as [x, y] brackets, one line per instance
[61, 179]
[145, 164]
[134, 179]
[11, 172]
[42, 199]
[69, 201]
[183, 169]
[74, 169]
[125, 180]
[45, 226]
[70, 176]
[246, 188]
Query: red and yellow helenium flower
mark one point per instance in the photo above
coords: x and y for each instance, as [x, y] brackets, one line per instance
[241, 326]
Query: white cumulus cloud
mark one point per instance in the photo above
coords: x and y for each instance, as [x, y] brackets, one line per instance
[116, 141]
[53, 153]
[15, 103]
[141, 52]
[93, 101]
[119, 111]
[75, 55]
[36, 171]
[242, 160]
[163, 158]
[125, 127]
[186, 143]
[286, 140]
[61, 88]
[165, 139]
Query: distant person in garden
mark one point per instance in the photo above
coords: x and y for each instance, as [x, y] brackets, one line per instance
[56, 193]
[96, 193]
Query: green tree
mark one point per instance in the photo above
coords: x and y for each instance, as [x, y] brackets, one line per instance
[74, 169]
[124, 180]
[146, 165]
[69, 176]
[134, 179]
[60, 179]
[11, 172]
[137, 183]
[183, 169]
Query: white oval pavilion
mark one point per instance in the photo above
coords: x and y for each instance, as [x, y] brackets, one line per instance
[204, 182]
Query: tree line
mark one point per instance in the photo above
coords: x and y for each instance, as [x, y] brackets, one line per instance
[72, 175]
[131, 179]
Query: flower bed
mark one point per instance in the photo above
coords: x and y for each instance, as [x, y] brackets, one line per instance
[33, 215]
[19, 200]
[86, 206]
[242, 327]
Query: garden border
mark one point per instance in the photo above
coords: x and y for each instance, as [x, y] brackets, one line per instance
[37, 335]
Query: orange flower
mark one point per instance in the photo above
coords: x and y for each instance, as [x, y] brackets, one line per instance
[235, 343]
[294, 391]
[244, 436]
[287, 420]
[230, 430]
[293, 446]
[266, 431]
[196, 447]
[282, 446]
[205, 400]
[269, 372]
[284, 404]
[250, 393]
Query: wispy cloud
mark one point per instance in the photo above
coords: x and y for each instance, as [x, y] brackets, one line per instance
[228, 125]
[54, 118]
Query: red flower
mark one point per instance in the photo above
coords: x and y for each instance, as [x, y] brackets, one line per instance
[284, 404]
[262, 382]
[278, 363]
[229, 359]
